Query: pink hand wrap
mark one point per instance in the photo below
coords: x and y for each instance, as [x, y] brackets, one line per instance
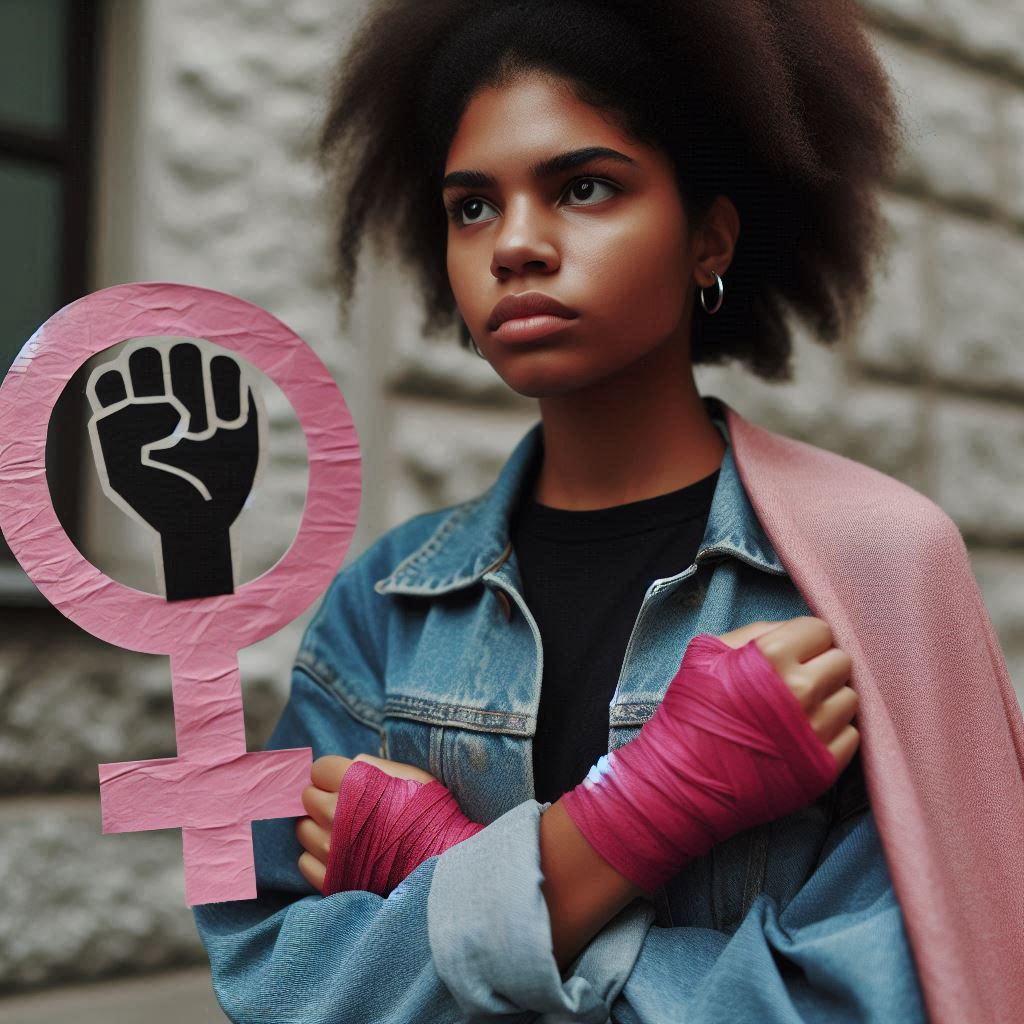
[384, 828]
[728, 748]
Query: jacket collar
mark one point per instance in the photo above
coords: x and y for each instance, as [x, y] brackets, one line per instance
[474, 537]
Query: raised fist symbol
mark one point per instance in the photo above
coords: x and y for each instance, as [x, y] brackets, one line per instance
[176, 442]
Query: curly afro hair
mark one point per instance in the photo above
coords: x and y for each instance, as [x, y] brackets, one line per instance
[782, 105]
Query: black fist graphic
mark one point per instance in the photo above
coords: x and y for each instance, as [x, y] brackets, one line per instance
[176, 442]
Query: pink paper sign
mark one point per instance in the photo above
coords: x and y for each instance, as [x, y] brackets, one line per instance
[214, 788]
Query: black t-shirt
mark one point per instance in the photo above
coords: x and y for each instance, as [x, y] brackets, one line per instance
[584, 576]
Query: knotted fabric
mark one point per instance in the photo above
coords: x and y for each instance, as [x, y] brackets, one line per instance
[729, 747]
[385, 827]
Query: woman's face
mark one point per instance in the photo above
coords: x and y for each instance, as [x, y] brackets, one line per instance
[606, 237]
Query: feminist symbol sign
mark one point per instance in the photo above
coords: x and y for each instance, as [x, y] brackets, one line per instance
[214, 789]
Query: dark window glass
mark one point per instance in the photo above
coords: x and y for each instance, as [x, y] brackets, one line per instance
[31, 211]
[48, 57]
[33, 66]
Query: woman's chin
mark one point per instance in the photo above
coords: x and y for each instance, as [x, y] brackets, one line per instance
[538, 384]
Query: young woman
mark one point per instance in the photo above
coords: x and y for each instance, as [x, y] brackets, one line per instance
[594, 794]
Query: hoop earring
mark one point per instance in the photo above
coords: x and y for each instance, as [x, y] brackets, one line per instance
[718, 302]
[476, 348]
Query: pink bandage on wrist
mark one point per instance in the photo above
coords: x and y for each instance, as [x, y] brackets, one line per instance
[385, 827]
[728, 748]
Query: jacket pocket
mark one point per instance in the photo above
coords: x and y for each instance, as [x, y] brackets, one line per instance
[482, 756]
[413, 741]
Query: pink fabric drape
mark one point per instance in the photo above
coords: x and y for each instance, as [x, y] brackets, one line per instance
[942, 736]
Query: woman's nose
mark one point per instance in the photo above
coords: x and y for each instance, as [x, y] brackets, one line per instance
[525, 240]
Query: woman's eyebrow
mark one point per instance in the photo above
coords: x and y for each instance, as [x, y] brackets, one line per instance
[543, 169]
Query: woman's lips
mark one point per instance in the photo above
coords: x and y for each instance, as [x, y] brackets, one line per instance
[531, 328]
[527, 304]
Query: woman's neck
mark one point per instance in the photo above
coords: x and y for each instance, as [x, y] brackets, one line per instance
[640, 435]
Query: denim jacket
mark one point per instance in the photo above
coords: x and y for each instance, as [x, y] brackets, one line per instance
[424, 651]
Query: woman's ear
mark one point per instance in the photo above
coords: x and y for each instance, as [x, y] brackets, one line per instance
[716, 240]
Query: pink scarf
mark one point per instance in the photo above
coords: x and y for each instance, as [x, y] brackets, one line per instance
[942, 737]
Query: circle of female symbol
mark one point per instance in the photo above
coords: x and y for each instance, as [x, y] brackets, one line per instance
[214, 789]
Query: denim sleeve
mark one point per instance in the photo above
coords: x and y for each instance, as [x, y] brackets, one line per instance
[837, 951]
[292, 955]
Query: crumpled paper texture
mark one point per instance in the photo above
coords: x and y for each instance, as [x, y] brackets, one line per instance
[214, 788]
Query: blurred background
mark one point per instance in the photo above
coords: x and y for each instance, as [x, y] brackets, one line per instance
[173, 140]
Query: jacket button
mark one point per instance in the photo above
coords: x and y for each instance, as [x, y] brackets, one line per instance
[506, 605]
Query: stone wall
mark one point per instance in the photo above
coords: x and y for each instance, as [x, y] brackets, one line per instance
[209, 111]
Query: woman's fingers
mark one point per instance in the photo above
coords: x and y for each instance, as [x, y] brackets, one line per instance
[795, 642]
[738, 637]
[834, 714]
[828, 671]
[314, 837]
[328, 771]
[312, 871]
[320, 805]
[844, 746]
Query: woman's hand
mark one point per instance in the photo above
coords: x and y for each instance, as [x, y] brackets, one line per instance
[372, 822]
[801, 652]
[752, 727]
[321, 800]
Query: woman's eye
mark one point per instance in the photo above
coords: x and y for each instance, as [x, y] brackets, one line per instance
[583, 188]
[468, 211]
[467, 205]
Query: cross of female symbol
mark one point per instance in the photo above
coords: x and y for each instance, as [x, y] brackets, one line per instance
[214, 789]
